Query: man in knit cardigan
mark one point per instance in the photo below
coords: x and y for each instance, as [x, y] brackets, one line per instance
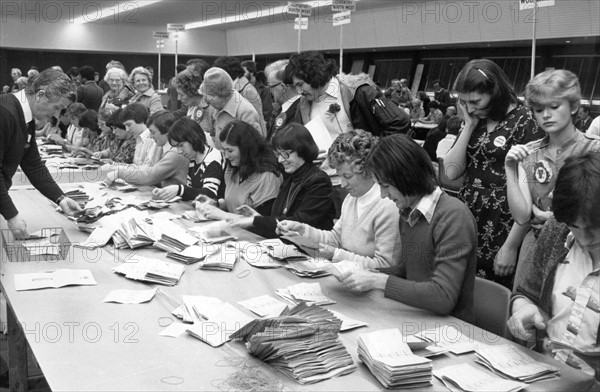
[436, 270]
[45, 96]
[564, 271]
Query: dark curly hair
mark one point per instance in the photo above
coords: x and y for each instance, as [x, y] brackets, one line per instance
[231, 65]
[351, 147]
[312, 68]
[188, 82]
[255, 154]
[486, 77]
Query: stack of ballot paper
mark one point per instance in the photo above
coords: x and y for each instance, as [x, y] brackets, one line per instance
[151, 270]
[308, 268]
[217, 322]
[449, 338]
[223, 259]
[301, 343]
[391, 361]
[257, 256]
[193, 254]
[78, 195]
[310, 293]
[172, 238]
[283, 252]
[468, 378]
[136, 233]
[510, 361]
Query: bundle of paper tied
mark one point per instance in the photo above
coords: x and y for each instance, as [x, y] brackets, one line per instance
[301, 343]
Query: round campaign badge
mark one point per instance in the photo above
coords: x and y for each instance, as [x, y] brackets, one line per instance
[280, 120]
[543, 172]
[499, 141]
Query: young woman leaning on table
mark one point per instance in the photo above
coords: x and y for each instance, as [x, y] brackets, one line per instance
[306, 194]
[170, 169]
[556, 302]
[366, 235]
[252, 176]
[531, 169]
[205, 169]
[438, 233]
[495, 120]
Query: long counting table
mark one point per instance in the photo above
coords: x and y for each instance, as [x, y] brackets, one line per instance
[83, 344]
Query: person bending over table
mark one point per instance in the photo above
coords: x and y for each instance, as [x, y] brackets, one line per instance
[557, 299]
[367, 232]
[252, 175]
[306, 194]
[205, 169]
[118, 136]
[172, 167]
[45, 95]
[438, 233]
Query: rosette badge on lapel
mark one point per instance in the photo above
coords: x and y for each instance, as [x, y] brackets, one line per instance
[334, 108]
[543, 172]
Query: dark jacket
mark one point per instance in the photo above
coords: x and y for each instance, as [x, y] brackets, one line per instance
[90, 95]
[18, 148]
[283, 119]
[361, 99]
[305, 196]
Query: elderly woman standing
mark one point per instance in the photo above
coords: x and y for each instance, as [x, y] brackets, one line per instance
[367, 231]
[142, 82]
[187, 84]
[119, 93]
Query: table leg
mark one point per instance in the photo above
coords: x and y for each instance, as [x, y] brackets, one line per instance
[17, 354]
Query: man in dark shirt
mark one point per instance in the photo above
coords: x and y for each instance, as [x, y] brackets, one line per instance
[45, 95]
[89, 93]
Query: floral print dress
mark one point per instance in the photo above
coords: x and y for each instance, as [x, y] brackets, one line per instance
[484, 189]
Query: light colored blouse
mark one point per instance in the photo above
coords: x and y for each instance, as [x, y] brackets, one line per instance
[253, 191]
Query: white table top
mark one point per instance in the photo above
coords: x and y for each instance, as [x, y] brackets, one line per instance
[83, 344]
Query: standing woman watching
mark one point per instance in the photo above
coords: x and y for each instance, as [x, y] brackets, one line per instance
[119, 93]
[531, 169]
[495, 121]
[144, 93]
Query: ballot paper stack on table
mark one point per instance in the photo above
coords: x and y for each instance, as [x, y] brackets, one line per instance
[151, 270]
[391, 361]
[310, 293]
[510, 362]
[171, 237]
[302, 343]
[468, 378]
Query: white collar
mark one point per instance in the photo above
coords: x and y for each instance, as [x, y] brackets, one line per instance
[20, 95]
[144, 135]
[372, 194]
[286, 105]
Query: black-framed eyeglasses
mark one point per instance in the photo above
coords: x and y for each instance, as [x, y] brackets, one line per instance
[282, 153]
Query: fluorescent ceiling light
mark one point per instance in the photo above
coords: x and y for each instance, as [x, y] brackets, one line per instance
[250, 15]
[94, 14]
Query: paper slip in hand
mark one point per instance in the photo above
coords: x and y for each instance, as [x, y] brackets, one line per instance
[265, 305]
[310, 293]
[130, 296]
[341, 269]
[54, 279]
[174, 330]
[466, 377]
[301, 241]
[320, 133]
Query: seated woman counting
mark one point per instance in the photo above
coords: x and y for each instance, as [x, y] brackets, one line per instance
[366, 235]
[438, 233]
[91, 128]
[556, 302]
[306, 194]
[205, 168]
[171, 169]
[252, 176]
[531, 168]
